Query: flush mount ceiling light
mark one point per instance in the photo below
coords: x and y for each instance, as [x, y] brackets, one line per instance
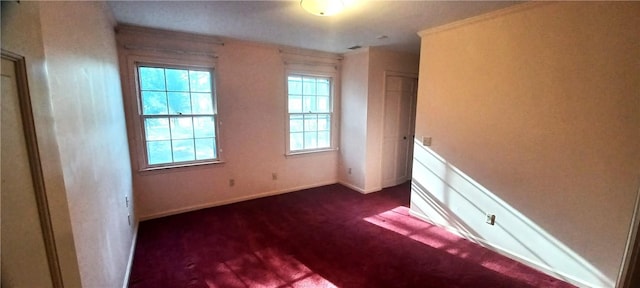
[322, 7]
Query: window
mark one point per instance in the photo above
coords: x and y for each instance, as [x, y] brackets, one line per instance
[178, 114]
[310, 112]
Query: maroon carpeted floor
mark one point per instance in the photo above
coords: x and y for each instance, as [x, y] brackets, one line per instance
[323, 237]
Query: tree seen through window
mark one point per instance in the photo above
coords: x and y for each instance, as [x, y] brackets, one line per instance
[179, 114]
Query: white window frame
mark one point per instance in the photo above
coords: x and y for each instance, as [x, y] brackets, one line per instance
[134, 107]
[333, 132]
[169, 116]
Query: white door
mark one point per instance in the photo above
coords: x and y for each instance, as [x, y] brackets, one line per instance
[399, 120]
[24, 257]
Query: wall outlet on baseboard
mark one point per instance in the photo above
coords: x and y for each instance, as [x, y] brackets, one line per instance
[426, 141]
[274, 176]
[491, 219]
[232, 182]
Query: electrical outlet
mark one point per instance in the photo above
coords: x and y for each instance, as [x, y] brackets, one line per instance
[349, 172]
[491, 219]
[232, 182]
[274, 176]
[426, 141]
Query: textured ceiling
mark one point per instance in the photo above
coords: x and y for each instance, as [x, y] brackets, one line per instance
[286, 23]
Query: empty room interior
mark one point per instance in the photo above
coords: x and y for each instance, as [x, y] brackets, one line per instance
[320, 143]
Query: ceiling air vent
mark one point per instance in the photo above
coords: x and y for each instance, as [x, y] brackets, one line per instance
[355, 47]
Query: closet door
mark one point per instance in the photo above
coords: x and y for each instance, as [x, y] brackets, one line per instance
[399, 120]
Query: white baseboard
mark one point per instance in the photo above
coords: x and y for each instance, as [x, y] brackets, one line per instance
[356, 188]
[232, 200]
[132, 251]
[543, 268]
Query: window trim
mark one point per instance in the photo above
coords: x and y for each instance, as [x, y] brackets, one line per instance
[333, 133]
[169, 116]
[133, 106]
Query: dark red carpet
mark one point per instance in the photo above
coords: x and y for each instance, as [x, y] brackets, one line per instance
[323, 237]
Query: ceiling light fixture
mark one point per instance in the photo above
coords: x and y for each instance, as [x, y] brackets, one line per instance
[322, 7]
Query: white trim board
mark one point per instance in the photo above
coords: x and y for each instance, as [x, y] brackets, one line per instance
[233, 200]
[356, 188]
[134, 241]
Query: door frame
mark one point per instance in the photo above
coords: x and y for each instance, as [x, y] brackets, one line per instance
[630, 265]
[35, 164]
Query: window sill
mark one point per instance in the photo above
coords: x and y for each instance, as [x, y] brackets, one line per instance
[309, 152]
[174, 167]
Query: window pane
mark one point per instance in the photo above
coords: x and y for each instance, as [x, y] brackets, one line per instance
[204, 127]
[151, 78]
[308, 86]
[295, 104]
[309, 104]
[154, 103]
[202, 103]
[310, 140]
[183, 150]
[310, 123]
[159, 152]
[309, 114]
[324, 122]
[205, 148]
[323, 104]
[179, 93]
[324, 140]
[177, 80]
[323, 87]
[200, 81]
[179, 103]
[295, 85]
[157, 129]
[296, 141]
[296, 123]
[181, 128]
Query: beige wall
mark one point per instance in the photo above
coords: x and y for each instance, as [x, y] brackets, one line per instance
[534, 115]
[381, 61]
[353, 133]
[84, 83]
[363, 113]
[89, 122]
[250, 81]
[75, 86]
